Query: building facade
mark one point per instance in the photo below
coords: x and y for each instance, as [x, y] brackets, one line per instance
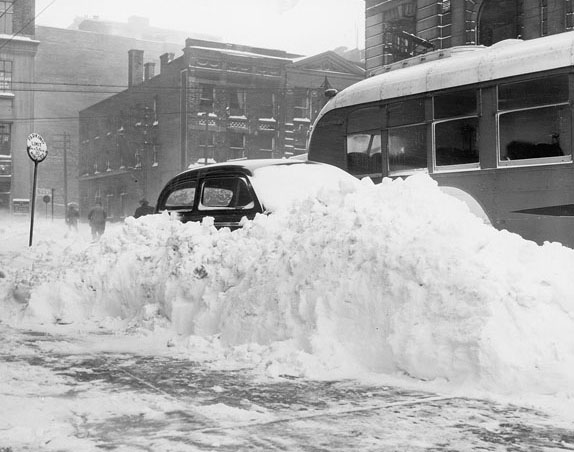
[215, 102]
[399, 29]
[18, 48]
[76, 68]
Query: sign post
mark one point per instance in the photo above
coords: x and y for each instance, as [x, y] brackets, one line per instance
[37, 151]
[46, 200]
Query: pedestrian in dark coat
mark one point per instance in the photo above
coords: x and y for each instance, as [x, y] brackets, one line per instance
[97, 218]
[144, 209]
[72, 216]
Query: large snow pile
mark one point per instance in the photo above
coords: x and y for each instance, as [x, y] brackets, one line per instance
[396, 278]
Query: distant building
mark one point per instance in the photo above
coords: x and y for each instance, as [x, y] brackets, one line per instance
[138, 27]
[216, 102]
[18, 47]
[75, 69]
[399, 29]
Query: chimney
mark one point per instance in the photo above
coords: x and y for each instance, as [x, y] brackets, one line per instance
[149, 70]
[164, 60]
[135, 67]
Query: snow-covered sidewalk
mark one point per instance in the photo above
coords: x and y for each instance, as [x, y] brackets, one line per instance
[102, 391]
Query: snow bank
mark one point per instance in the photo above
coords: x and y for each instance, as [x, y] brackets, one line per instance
[397, 278]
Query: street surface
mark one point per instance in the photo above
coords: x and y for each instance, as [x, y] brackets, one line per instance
[194, 408]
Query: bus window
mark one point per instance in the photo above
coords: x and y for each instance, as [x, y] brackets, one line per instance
[456, 143]
[455, 103]
[327, 143]
[455, 135]
[410, 111]
[369, 118]
[364, 153]
[407, 148]
[533, 93]
[534, 120]
[534, 133]
[406, 145]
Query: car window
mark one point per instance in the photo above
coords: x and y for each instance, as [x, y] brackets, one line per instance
[182, 198]
[226, 193]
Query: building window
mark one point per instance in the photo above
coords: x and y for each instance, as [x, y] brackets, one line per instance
[267, 142]
[155, 161]
[5, 75]
[301, 104]
[236, 140]
[300, 141]
[206, 138]
[5, 141]
[267, 106]
[206, 99]
[236, 102]
[5, 167]
[498, 21]
[569, 12]
[543, 17]
[6, 14]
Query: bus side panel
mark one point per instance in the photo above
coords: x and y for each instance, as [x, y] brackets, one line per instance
[536, 202]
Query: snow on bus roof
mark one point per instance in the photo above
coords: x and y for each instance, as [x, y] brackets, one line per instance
[503, 59]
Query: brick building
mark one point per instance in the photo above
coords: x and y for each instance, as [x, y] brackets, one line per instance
[76, 68]
[399, 29]
[216, 102]
[18, 47]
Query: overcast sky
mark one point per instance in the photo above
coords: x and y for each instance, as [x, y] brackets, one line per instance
[300, 26]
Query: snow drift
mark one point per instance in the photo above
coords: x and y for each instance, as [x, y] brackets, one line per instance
[394, 278]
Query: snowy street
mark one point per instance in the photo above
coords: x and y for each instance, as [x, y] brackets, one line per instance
[168, 402]
[368, 317]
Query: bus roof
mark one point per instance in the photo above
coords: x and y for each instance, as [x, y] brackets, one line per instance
[462, 66]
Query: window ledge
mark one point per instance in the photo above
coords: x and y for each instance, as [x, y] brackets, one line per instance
[6, 95]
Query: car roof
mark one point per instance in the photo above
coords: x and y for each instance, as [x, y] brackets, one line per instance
[247, 166]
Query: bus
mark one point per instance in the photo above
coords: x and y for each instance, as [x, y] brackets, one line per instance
[492, 125]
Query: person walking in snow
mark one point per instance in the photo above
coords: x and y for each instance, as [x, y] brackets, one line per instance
[72, 217]
[144, 209]
[97, 218]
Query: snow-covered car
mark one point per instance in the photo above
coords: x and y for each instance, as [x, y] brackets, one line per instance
[232, 190]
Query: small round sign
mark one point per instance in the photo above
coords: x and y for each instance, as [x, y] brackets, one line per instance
[46, 199]
[36, 147]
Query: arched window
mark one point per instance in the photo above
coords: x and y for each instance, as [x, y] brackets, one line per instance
[498, 20]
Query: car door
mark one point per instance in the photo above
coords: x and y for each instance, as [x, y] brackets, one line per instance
[226, 198]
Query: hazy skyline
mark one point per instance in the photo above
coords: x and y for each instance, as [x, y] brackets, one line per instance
[300, 26]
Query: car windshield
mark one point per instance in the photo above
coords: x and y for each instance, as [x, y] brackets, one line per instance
[278, 186]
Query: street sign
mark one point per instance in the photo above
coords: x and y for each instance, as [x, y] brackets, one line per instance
[43, 191]
[36, 147]
[20, 206]
[37, 151]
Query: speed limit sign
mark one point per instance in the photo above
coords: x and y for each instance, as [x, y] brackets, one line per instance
[36, 147]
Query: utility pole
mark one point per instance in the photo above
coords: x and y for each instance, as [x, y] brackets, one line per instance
[206, 136]
[66, 144]
[63, 143]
